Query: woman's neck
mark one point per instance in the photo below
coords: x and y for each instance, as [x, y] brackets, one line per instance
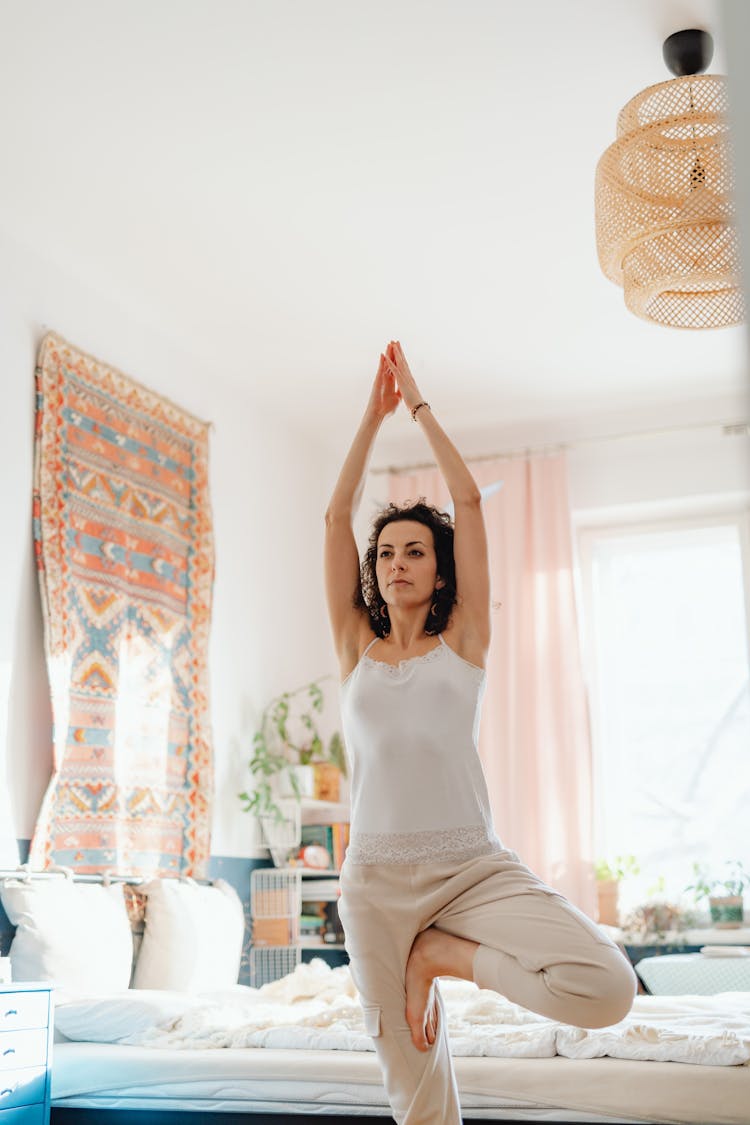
[407, 636]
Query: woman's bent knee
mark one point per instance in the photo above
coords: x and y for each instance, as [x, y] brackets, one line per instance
[613, 998]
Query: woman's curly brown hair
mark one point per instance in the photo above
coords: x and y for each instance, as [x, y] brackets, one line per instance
[439, 523]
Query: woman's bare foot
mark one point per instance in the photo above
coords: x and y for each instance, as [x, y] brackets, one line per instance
[433, 954]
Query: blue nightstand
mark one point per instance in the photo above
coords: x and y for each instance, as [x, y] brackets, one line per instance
[25, 1053]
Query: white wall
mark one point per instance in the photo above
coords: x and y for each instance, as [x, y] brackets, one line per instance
[269, 488]
[668, 473]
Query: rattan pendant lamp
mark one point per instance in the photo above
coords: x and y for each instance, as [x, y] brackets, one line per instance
[664, 197]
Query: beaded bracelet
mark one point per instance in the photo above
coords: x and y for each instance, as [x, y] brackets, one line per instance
[416, 408]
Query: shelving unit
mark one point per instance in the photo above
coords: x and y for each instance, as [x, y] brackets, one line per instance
[318, 886]
[278, 893]
[308, 943]
[330, 811]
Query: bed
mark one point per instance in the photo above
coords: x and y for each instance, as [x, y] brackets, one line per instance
[169, 1037]
[298, 1048]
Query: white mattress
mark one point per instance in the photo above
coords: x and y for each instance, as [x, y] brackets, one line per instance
[106, 1076]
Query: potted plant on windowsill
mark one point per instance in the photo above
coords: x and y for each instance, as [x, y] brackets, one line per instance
[724, 894]
[608, 877]
[291, 756]
[655, 922]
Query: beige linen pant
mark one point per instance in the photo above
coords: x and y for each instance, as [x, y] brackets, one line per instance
[534, 947]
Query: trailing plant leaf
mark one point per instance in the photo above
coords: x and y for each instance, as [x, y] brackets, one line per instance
[276, 748]
[316, 695]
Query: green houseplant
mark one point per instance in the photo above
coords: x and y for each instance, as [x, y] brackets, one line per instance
[289, 737]
[724, 893]
[620, 866]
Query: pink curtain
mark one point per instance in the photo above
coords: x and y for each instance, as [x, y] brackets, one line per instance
[535, 741]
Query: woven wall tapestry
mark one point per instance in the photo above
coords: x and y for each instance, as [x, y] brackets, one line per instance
[124, 548]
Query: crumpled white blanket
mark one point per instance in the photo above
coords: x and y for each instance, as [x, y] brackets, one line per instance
[316, 1007]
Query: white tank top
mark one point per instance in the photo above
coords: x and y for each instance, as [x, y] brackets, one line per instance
[418, 791]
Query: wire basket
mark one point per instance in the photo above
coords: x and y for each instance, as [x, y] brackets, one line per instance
[284, 835]
[275, 893]
[272, 962]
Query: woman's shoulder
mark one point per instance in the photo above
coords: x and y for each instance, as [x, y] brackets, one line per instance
[354, 648]
[465, 642]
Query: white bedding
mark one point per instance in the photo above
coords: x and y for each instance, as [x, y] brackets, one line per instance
[316, 1008]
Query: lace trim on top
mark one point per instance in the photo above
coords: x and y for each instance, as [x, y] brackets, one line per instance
[397, 669]
[421, 847]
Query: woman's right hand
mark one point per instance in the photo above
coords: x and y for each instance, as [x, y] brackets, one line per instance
[385, 395]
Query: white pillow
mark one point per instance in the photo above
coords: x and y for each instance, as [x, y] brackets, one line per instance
[74, 935]
[193, 937]
[105, 1019]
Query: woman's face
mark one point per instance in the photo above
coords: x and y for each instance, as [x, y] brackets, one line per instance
[406, 564]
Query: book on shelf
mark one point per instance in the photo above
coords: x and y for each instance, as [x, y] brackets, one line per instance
[311, 923]
[322, 918]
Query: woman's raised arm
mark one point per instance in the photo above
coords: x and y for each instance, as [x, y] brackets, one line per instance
[342, 575]
[470, 538]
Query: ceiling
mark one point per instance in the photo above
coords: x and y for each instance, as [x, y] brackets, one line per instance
[280, 187]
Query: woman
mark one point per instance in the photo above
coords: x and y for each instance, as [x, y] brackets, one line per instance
[428, 889]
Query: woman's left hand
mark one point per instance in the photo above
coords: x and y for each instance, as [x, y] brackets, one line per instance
[397, 364]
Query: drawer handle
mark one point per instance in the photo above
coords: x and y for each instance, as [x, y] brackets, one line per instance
[8, 1090]
[9, 1051]
[11, 1012]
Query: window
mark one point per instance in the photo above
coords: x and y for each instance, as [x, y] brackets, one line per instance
[666, 652]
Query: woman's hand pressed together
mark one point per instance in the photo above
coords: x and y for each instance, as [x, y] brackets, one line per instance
[405, 381]
[385, 395]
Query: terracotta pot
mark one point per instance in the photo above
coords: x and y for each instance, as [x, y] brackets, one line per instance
[726, 911]
[607, 891]
[326, 781]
